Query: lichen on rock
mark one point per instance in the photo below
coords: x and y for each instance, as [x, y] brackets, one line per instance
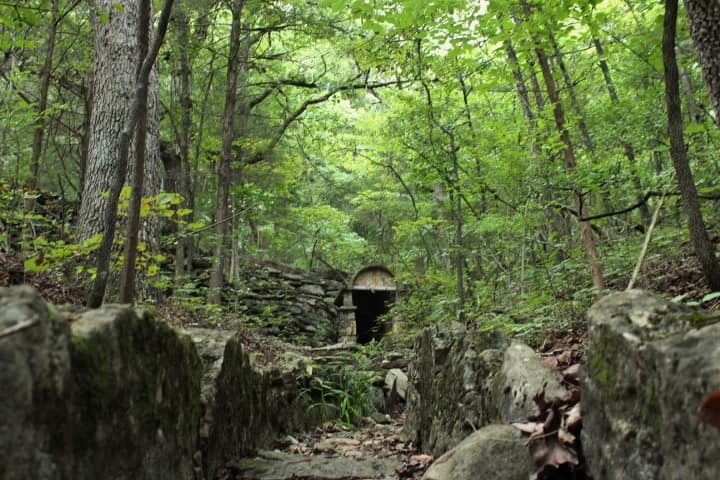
[648, 370]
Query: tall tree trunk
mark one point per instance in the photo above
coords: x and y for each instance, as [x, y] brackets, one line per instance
[114, 81]
[704, 20]
[183, 252]
[704, 248]
[45, 73]
[586, 233]
[627, 146]
[127, 274]
[217, 279]
[520, 85]
[570, 87]
[140, 96]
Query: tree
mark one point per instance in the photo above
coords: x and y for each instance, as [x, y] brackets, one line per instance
[235, 65]
[138, 105]
[586, 233]
[704, 248]
[116, 54]
[704, 21]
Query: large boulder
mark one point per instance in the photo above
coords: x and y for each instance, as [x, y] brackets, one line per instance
[114, 396]
[521, 377]
[650, 364]
[35, 378]
[135, 402]
[460, 381]
[250, 401]
[497, 452]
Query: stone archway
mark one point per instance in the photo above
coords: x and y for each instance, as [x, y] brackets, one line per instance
[373, 293]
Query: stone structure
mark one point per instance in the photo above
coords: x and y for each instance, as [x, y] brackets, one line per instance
[650, 364]
[461, 381]
[289, 303]
[248, 404]
[368, 296]
[114, 395]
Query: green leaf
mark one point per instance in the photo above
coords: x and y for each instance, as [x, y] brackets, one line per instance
[710, 296]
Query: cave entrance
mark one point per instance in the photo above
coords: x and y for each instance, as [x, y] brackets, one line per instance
[373, 293]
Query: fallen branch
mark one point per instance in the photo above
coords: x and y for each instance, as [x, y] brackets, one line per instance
[648, 236]
[18, 327]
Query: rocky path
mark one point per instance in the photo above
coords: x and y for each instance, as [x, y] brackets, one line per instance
[334, 452]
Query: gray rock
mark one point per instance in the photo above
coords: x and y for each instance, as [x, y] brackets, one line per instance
[35, 378]
[282, 466]
[396, 383]
[118, 399]
[521, 377]
[650, 364]
[497, 452]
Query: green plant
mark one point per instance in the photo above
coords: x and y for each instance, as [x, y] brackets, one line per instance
[349, 394]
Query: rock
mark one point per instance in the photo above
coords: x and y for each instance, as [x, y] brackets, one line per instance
[115, 396]
[448, 386]
[521, 377]
[497, 452]
[650, 364]
[35, 379]
[135, 403]
[396, 383]
[281, 466]
[252, 404]
[313, 289]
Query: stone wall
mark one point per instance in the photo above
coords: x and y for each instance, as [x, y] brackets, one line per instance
[650, 364]
[461, 381]
[115, 394]
[288, 303]
[247, 404]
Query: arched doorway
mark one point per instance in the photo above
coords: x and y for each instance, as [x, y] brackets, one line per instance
[373, 293]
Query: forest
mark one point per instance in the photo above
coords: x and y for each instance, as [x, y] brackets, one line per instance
[508, 160]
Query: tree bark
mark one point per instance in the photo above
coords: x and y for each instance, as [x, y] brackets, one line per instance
[704, 21]
[127, 274]
[116, 53]
[586, 233]
[704, 248]
[217, 275]
[140, 96]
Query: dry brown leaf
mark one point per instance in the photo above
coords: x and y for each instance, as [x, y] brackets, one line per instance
[709, 412]
[549, 451]
[529, 427]
[566, 437]
[565, 357]
[572, 373]
[550, 362]
[573, 417]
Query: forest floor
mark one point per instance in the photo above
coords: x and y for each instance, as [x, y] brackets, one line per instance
[333, 451]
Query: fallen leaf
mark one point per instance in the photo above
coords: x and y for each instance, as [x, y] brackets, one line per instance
[573, 417]
[529, 427]
[548, 451]
[550, 362]
[565, 357]
[572, 373]
[709, 412]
